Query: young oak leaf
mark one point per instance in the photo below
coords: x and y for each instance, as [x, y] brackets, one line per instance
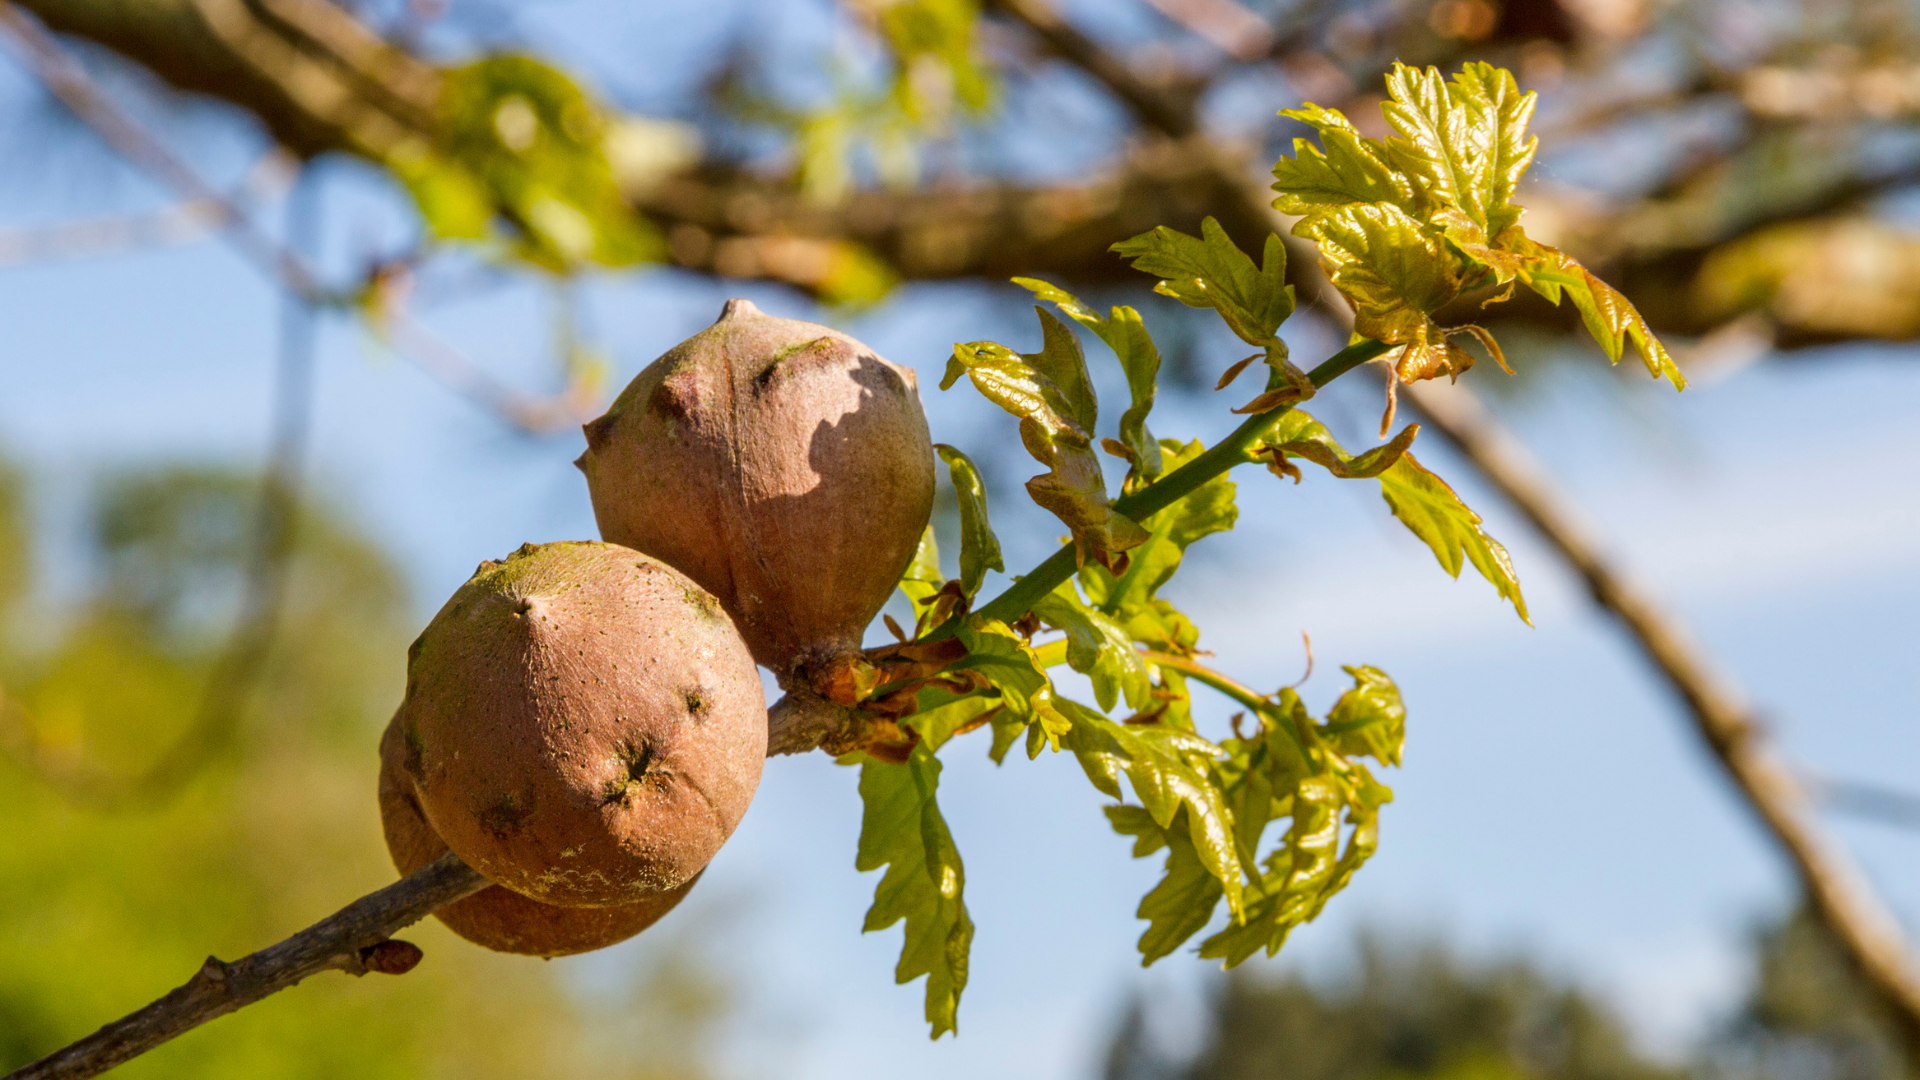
[1346, 168]
[1169, 769]
[1609, 317]
[1183, 901]
[1125, 334]
[901, 828]
[922, 580]
[1368, 719]
[1422, 501]
[1452, 169]
[979, 547]
[1300, 769]
[1299, 434]
[1396, 275]
[1210, 271]
[1050, 392]
[1294, 768]
[1428, 507]
[1098, 648]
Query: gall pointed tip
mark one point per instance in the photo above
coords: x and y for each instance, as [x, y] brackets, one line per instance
[738, 308]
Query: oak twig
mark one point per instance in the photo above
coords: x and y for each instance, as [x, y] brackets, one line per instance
[354, 939]
[1166, 491]
[1839, 892]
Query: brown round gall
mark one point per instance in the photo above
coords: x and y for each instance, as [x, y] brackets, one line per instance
[583, 725]
[497, 918]
[782, 465]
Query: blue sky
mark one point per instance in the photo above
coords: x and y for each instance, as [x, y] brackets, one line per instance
[1552, 798]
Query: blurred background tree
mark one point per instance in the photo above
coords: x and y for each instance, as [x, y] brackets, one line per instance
[1402, 1008]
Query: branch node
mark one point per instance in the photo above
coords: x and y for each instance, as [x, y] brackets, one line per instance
[390, 957]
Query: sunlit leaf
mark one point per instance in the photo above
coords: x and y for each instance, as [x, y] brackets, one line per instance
[1055, 427]
[1097, 647]
[1370, 718]
[1346, 168]
[1408, 225]
[1209, 271]
[1396, 274]
[1609, 316]
[1301, 435]
[923, 578]
[1169, 769]
[979, 548]
[902, 830]
[1125, 334]
[1183, 901]
[1436, 515]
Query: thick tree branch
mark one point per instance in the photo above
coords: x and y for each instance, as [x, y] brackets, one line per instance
[1840, 894]
[355, 939]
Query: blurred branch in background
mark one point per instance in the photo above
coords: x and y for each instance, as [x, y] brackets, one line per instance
[71, 84]
[182, 223]
[1838, 892]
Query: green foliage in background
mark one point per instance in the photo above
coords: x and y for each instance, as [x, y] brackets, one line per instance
[1405, 1011]
[522, 143]
[101, 911]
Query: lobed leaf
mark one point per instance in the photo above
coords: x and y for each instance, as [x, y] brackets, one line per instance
[1407, 225]
[1370, 718]
[1125, 334]
[1056, 423]
[1183, 901]
[1396, 273]
[1209, 271]
[979, 547]
[1346, 168]
[1301, 435]
[901, 829]
[1097, 647]
[1293, 768]
[1168, 769]
[1427, 506]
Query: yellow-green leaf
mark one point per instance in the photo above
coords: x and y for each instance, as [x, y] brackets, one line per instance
[979, 547]
[1209, 271]
[901, 829]
[1428, 507]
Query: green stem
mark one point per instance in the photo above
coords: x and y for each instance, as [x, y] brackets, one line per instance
[1238, 691]
[1169, 489]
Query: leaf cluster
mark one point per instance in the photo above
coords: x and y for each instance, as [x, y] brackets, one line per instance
[1407, 225]
[1276, 819]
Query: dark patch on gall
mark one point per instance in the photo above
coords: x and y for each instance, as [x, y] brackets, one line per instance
[506, 816]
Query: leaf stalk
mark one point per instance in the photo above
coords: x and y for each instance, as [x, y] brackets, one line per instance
[1169, 489]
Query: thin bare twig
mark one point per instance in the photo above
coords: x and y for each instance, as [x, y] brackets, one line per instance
[1839, 892]
[181, 223]
[67, 80]
[355, 939]
[533, 414]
